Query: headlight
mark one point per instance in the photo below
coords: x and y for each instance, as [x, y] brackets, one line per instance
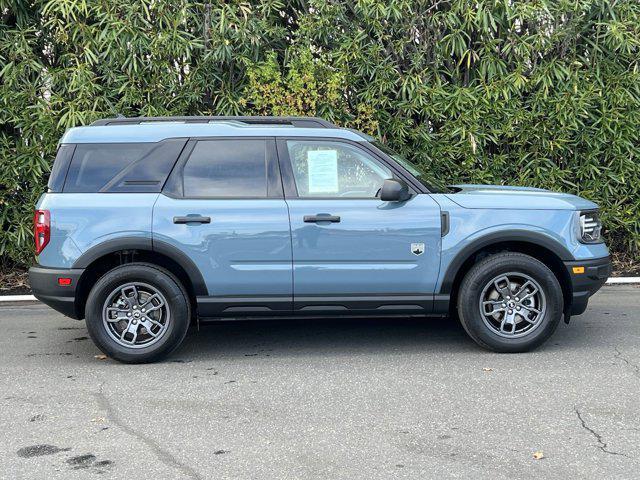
[590, 227]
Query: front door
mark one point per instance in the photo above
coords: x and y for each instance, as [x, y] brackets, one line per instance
[352, 252]
[224, 208]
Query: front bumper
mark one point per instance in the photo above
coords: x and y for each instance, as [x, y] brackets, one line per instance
[45, 287]
[585, 284]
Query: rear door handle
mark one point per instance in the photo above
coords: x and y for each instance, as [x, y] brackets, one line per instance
[192, 219]
[321, 217]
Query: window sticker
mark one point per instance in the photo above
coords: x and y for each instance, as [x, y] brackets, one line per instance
[323, 171]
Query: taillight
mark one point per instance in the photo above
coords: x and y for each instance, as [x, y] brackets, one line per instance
[41, 229]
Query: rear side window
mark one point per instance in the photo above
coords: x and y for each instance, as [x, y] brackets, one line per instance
[122, 167]
[226, 168]
[60, 167]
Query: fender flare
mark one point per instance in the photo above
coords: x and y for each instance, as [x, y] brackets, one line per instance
[525, 236]
[145, 243]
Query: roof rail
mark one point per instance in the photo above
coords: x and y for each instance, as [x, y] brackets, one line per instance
[306, 122]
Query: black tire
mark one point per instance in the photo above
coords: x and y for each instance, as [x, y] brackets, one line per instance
[178, 308]
[481, 275]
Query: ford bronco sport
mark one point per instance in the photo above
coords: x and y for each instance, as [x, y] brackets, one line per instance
[149, 223]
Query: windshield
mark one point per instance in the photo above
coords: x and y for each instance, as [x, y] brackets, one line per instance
[434, 186]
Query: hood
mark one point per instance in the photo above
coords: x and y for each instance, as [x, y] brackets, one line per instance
[521, 198]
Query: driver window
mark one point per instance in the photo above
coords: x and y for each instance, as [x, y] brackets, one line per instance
[333, 169]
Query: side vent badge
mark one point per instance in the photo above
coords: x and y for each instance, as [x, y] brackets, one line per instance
[417, 248]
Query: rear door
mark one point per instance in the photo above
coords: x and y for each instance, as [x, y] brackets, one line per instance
[352, 252]
[223, 206]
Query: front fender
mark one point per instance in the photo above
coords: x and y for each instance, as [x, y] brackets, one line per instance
[455, 251]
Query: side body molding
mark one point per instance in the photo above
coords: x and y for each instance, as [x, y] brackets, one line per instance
[140, 243]
[531, 237]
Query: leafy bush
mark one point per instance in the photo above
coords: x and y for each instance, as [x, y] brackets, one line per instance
[543, 93]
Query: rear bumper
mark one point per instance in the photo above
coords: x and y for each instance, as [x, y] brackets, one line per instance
[45, 287]
[585, 284]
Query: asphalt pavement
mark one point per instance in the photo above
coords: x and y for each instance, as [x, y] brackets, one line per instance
[331, 399]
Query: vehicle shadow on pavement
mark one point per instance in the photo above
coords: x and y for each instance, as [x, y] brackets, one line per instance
[317, 336]
[338, 336]
[343, 336]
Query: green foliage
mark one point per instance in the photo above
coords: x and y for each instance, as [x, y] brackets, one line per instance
[543, 93]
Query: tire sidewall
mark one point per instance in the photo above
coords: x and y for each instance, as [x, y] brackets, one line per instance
[485, 271]
[158, 278]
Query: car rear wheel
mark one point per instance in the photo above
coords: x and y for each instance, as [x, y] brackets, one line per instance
[510, 302]
[138, 313]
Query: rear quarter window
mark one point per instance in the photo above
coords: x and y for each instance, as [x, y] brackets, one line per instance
[122, 167]
[60, 168]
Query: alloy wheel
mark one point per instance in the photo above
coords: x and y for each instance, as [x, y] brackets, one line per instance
[136, 315]
[512, 305]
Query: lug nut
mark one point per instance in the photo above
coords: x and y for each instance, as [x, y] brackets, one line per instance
[129, 314]
[517, 308]
[504, 305]
[517, 299]
[510, 312]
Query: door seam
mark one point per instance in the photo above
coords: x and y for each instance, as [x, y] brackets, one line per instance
[293, 292]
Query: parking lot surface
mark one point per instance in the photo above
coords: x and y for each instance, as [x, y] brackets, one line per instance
[318, 399]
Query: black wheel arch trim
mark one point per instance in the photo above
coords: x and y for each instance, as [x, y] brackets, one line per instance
[192, 270]
[524, 236]
[145, 243]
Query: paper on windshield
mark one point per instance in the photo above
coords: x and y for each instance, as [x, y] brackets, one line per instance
[323, 171]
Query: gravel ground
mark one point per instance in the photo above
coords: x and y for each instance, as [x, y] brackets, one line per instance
[340, 399]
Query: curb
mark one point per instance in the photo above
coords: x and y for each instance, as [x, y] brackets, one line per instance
[18, 298]
[622, 280]
[31, 298]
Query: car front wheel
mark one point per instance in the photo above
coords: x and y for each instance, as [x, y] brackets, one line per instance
[510, 302]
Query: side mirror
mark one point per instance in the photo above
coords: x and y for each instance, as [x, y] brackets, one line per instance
[394, 191]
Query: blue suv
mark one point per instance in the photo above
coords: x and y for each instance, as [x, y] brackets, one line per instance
[150, 223]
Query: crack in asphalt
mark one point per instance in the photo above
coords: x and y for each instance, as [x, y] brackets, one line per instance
[635, 368]
[602, 445]
[163, 454]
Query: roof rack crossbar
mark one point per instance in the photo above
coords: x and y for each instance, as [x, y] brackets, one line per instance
[304, 122]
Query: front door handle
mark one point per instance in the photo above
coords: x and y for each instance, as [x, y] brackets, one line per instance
[321, 217]
[192, 219]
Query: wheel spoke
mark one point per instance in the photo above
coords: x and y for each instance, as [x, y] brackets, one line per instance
[131, 298]
[148, 325]
[529, 320]
[130, 329]
[508, 320]
[493, 304]
[154, 322]
[505, 290]
[153, 307]
[531, 309]
[133, 330]
[523, 288]
[121, 314]
[529, 294]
